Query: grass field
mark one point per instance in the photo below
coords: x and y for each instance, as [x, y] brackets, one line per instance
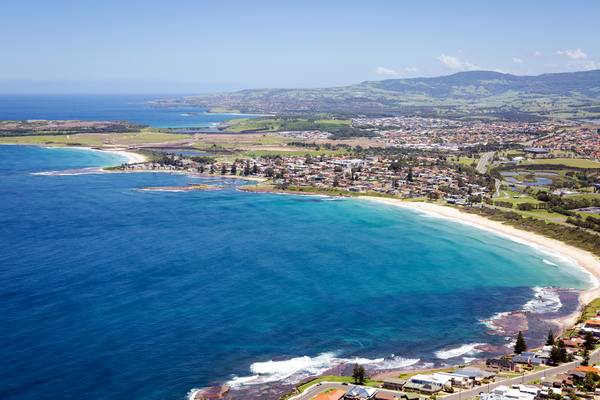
[569, 162]
[259, 153]
[335, 378]
[468, 161]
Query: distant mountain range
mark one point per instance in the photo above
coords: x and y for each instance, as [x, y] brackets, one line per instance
[473, 94]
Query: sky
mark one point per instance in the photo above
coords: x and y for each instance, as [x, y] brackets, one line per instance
[196, 46]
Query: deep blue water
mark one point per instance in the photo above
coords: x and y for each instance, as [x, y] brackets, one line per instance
[107, 292]
[107, 107]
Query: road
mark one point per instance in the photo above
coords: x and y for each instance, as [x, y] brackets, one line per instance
[314, 390]
[483, 162]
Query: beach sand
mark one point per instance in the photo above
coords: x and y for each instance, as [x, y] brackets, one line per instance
[584, 258]
[133, 157]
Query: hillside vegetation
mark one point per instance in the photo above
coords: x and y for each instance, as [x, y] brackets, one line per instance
[473, 94]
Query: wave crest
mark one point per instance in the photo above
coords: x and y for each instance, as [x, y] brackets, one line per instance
[452, 353]
[300, 368]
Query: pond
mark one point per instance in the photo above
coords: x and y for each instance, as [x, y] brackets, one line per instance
[540, 182]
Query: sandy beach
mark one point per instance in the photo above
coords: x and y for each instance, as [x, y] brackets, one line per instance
[585, 259]
[133, 157]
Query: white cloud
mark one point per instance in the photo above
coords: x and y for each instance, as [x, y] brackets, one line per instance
[456, 64]
[576, 54]
[385, 71]
[579, 60]
[460, 51]
[518, 61]
[413, 69]
[537, 54]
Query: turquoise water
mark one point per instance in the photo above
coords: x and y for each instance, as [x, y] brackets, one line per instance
[108, 292]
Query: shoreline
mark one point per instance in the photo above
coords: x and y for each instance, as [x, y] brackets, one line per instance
[133, 157]
[583, 258]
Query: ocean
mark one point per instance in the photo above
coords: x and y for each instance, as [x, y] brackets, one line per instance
[109, 292]
[106, 107]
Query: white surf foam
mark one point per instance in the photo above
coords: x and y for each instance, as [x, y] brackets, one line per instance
[191, 395]
[490, 322]
[546, 300]
[452, 353]
[272, 371]
[549, 263]
[72, 172]
[299, 368]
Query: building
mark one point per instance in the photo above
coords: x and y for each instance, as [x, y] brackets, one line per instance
[500, 364]
[381, 396]
[335, 395]
[519, 392]
[394, 383]
[528, 357]
[361, 393]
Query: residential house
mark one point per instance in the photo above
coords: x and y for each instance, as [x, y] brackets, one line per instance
[562, 380]
[335, 395]
[500, 364]
[381, 396]
[528, 357]
[394, 383]
[361, 393]
[585, 369]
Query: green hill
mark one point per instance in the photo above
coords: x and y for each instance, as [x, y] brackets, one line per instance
[473, 94]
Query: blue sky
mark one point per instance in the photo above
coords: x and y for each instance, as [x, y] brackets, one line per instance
[194, 46]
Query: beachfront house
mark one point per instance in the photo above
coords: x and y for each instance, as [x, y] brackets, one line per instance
[528, 357]
[455, 379]
[394, 383]
[361, 393]
[335, 395]
[501, 365]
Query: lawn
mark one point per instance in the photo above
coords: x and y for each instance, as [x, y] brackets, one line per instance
[468, 161]
[335, 378]
[260, 153]
[569, 162]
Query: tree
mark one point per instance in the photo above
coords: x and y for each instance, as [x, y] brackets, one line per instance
[269, 172]
[550, 341]
[409, 176]
[520, 346]
[223, 170]
[358, 374]
[255, 169]
[590, 341]
[233, 169]
[589, 383]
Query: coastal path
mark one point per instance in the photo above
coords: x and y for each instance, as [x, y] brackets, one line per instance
[314, 390]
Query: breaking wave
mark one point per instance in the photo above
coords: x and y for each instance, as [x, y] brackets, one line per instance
[299, 368]
[452, 353]
[546, 301]
[80, 171]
